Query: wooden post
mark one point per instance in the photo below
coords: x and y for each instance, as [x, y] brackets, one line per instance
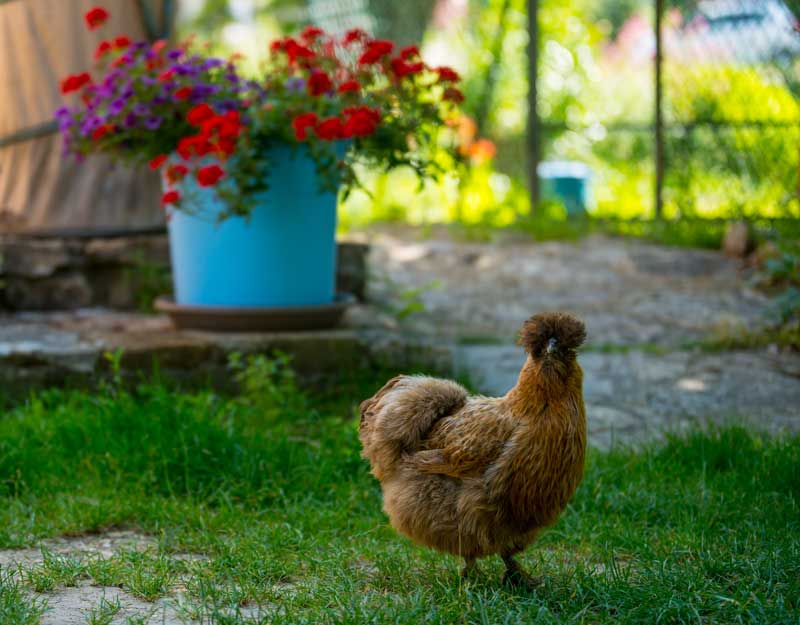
[659, 113]
[533, 136]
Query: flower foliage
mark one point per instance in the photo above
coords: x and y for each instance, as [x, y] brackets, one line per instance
[189, 114]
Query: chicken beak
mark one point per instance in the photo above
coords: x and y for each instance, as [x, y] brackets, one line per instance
[551, 345]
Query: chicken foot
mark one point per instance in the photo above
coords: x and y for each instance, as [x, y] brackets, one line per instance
[470, 570]
[516, 576]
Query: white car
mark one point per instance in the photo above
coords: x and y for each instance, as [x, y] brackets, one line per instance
[744, 31]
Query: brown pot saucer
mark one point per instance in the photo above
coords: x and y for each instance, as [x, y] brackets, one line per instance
[255, 319]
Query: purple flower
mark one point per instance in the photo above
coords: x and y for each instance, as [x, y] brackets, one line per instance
[112, 78]
[63, 112]
[148, 80]
[296, 85]
[153, 123]
[117, 106]
[160, 100]
[212, 63]
[185, 70]
[228, 105]
[206, 90]
[90, 124]
[174, 55]
[141, 109]
[130, 120]
[232, 78]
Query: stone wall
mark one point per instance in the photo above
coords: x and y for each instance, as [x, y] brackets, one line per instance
[117, 272]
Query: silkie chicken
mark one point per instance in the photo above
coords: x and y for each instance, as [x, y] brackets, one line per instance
[475, 476]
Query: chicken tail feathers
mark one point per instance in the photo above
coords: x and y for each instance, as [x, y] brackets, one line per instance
[396, 419]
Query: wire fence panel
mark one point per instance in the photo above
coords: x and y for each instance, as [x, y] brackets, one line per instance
[732, 118]
[729, 119]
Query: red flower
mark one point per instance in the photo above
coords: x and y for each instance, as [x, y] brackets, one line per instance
[196, 145]
[183, 93]
[158, 46]
[452, 94]
[122, 42]
[375, 51]
[354, 35]
[199, 114]
[166, 76]
[225, 146]
[330, 129]
[170, 197]
[319, 83]
[102, 131]
[225, 126]
[311, 33]
[401, 68]
[302, 123]
[350, 85]
[122, 60]
[361, 122]
[158, 161]
[292, 48]
[75, 82]
[96, 17]
[176, 173]
[210, 175]
[102, 49]
[447, 74]
[408, 52]
[155, 63]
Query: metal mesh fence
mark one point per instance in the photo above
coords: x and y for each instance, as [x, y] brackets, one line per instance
[719, 138]
[731, 114]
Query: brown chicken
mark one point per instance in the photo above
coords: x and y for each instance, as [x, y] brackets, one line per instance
[476, 476]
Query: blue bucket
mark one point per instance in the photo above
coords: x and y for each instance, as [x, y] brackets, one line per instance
[284, 254]
[566, 182]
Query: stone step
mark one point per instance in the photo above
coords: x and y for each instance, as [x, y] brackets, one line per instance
[70, 347]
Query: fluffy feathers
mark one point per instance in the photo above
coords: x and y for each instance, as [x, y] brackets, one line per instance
[475, 476]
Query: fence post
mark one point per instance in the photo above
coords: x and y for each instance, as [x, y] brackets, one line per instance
[532, 142]
[659, 113]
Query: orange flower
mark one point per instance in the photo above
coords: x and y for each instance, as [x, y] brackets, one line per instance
[482, 150]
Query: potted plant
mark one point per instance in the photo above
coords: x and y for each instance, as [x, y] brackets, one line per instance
[253, 165]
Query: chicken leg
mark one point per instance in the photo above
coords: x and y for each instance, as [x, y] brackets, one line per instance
[516, 576]
[470, 569]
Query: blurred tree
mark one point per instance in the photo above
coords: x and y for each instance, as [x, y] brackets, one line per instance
[404, 22]
[617, 12]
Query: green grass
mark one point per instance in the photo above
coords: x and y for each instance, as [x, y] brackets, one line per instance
[268, 489]
[16, 607]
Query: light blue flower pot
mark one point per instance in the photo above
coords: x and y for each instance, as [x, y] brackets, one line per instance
[283, 255]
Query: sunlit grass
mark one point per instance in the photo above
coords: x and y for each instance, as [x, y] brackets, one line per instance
[268, 491]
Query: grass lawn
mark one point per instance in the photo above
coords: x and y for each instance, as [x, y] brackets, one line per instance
[269, 486]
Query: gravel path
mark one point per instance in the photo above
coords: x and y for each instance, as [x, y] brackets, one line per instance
[645, 306]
